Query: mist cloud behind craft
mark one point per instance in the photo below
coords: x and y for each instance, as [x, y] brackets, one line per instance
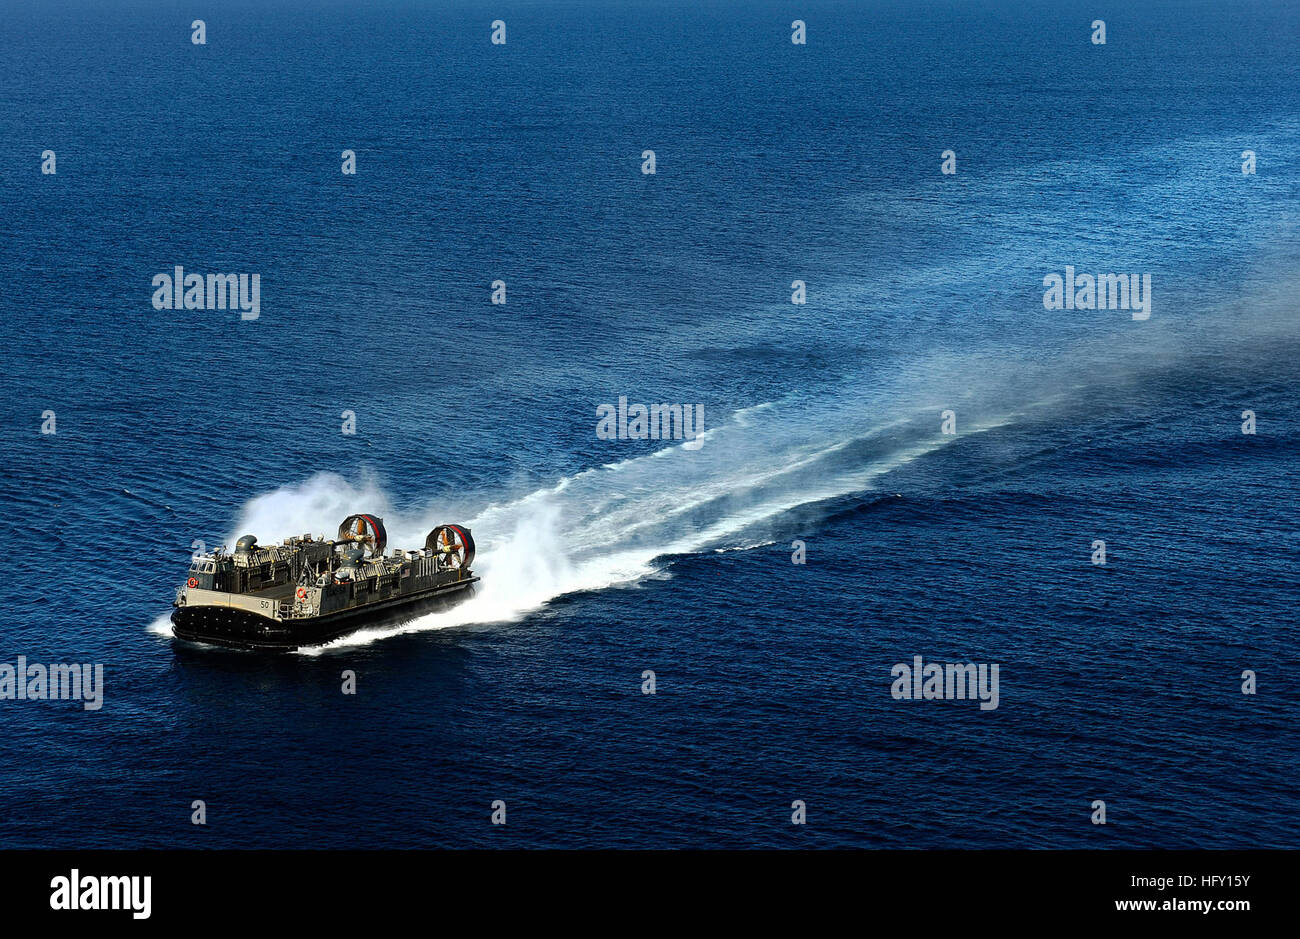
[615, 524]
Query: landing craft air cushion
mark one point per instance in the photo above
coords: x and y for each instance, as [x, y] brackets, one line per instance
[308, 590]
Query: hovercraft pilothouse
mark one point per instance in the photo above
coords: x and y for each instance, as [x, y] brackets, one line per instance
[308, 590]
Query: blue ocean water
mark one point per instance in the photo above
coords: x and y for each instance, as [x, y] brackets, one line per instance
[603, 559]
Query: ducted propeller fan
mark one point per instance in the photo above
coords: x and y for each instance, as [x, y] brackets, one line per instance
[366, 531]
[453, 544]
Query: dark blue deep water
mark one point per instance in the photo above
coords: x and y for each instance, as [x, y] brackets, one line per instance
[601, 558]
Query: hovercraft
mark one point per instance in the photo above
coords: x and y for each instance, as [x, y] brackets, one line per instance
[307, 591]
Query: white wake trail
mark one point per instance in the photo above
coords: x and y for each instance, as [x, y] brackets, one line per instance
[607, 526]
